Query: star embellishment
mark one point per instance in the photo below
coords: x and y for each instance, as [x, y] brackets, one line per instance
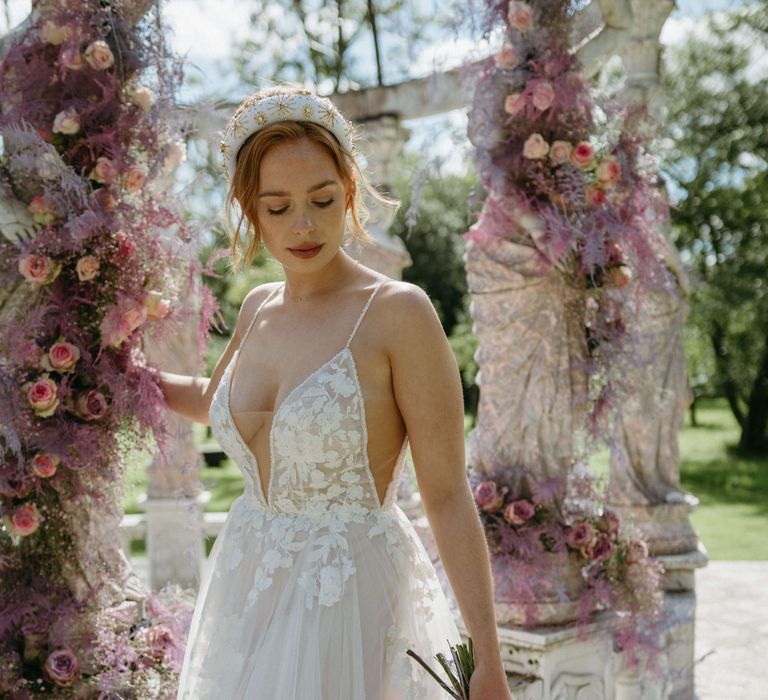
[239, 129]
[328, 115]
[259, 118]
[283, 106]
[307, 111]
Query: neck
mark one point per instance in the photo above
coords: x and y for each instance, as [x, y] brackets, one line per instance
[302, 287]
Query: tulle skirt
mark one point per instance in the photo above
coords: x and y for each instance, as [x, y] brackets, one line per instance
[295, 607]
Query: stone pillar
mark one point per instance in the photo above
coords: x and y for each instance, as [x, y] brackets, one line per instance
[382, 142]
[174, 501]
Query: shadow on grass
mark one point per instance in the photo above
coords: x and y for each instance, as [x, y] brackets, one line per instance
[734, 479]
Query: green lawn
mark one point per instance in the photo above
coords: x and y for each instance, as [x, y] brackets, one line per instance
[732, 519]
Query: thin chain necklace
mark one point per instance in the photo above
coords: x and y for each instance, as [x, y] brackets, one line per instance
[300, 298]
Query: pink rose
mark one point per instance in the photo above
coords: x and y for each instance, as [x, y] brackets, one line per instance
[583, 154]
[560, 152]
[514, 104]
[44, 465]
[99, 55]
[608, 170]
[125, 245]
[61, 668]
[42, 209]
[535, 147]
[104, 171]
[507, 57]
[156, 306]
[52, 33]
[519, 512]
[91, 405]
[87, 268]
[71, 58]
[39, 269]
[543, 95]
[175, 155]
[601, 548]
[62, 357]
[67, 121]
[519, 16]
[159, 640]
[618, 276]
[637, 551]
[23, 520]
[143, 97]
[580, 536]
[41, 395]
[595, 196]
[488, 497]
[134, 177]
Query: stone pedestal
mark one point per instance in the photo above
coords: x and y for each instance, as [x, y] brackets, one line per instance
[558, 663]
[175, 547]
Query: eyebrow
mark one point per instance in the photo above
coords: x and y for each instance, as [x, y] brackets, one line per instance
[320, 186]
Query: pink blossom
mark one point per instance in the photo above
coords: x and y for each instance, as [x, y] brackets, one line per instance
[42, 209]
[520, 16]
[39, 269]
[637, 551]
[133, 318]
[99, 55]
[52, 33]
[61, 357]
[519, 512]
[23, 520]
[583, 155]
[156, 306]
[608, 170]
[44, 465]
[580, 536]
[560, 152]
[71, 58]
[543, 95]
[126, 246]
[67, 122]
[87, 268]
[601, 548]
[595, 196]
[143, 97]
[507, 57]
[42, 395]
[91, 405]
[61, 668]
[514, 104]
[535, 147]
[488, 497]
[159, 640]
[134, 177]
[104, 171]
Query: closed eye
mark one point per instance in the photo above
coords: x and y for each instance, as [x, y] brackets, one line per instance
[276, 212]
[326, 203]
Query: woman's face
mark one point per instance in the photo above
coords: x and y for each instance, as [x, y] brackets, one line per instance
[301, 203]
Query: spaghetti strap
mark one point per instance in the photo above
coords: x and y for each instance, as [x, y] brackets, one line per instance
[365, 308]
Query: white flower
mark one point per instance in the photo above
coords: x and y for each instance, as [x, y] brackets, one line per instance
[330, 585]
[67, 121]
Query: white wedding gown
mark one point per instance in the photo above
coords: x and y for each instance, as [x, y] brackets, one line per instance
[317, 591]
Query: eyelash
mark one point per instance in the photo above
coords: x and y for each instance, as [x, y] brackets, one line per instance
[322, 205]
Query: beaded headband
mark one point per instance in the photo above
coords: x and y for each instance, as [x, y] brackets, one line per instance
[255, 112]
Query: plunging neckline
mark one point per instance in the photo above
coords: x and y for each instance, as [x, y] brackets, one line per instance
[266, 496]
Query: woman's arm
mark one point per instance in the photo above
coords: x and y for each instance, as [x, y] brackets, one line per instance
[191, 396]
[428, 392]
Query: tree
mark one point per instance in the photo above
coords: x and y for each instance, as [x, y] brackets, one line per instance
[717, 163]
[332, 44]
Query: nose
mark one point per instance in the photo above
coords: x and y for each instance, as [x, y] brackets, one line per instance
[303, 225]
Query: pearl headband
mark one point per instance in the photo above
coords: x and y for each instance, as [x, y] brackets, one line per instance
[255, 112]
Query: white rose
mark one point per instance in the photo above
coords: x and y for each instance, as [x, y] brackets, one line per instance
[99, 55]
[143, 97]
[535, 147]
[67, 122]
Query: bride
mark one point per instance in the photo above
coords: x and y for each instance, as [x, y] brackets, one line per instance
[318, 583]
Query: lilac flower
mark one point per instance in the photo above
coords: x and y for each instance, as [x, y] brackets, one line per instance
[61, 668]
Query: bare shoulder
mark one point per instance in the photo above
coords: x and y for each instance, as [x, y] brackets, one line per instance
[406, 315]
[251, 303]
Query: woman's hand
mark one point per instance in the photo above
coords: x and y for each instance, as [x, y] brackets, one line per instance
[489, 683]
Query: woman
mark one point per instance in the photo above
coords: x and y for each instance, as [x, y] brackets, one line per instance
[318, 583]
